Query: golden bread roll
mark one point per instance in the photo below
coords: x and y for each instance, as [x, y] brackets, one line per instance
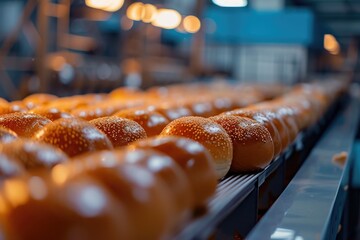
[280, 126]
[172, 112]
[172, 175]
[222, 104]
[252, 144]
[33, 155]
[208, 133]
[262, 119]
[152, 121]
[73, 136]
[193, 158]
[34, 208]
[51, 113]
[7, 135]
[38, 99]
[147, 200]
[23, 124]
[120, 131]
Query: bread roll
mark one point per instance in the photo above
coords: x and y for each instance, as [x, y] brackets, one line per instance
[146, 198]
[36, 208]
[280, 126]
[120, 131]
[152, 121]
[193, 158]
[263, 120]
[33, 155]
[51, 113]
[222, 104]
[252, 144]
[7, 135]
[23, 124]
[209, 134]
[6, 108]
[38, 99]
[172, 112]
[200, 107]
[18, 106]
[171, 174]
[73, 136]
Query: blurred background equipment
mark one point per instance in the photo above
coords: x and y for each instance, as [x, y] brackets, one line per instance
[77, 46]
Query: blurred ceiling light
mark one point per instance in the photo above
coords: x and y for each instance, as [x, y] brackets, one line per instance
[106, 5]
[114, 5]
[331, 44]
[191, 24]
[149, 13]
[167, 18]
[135, 11]
[231, 3]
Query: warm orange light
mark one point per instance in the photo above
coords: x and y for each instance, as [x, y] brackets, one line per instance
[167, 18]
[192, 24]
[149, 13]
[59, 174]
[106, 5]
[16, 192]
[135, 11]
[331, 44]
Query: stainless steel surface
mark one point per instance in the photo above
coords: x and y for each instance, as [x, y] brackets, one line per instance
[311, 205]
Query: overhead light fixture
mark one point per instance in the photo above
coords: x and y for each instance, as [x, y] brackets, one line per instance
[106, 5]
[331, 44]
[231, 3]
[135, 11]
[192, 24]
[167, 18]
[149, 13]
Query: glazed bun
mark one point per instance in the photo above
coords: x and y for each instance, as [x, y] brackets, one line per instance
[6, 107]
[263, 120]
[120, 131]
[171, 174]
[252, 144]
[73, 136]
[148, 202]
[33, 155]
[38, 99]
[23, 124]
[51, 113]
[280, 126]
[208, 133]
[7, 135]
[77, 209]
[152, 121]
[222, 104]
[200, 107]
[193, 158]
[172, 111]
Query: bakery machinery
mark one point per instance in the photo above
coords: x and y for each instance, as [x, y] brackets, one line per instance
[168, 119]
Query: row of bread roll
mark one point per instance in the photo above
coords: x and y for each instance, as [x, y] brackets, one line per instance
[145, 191]
[248, 139]
[282, 117]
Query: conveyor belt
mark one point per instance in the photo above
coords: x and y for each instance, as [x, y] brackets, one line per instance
[312, 204]
[233, 211]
